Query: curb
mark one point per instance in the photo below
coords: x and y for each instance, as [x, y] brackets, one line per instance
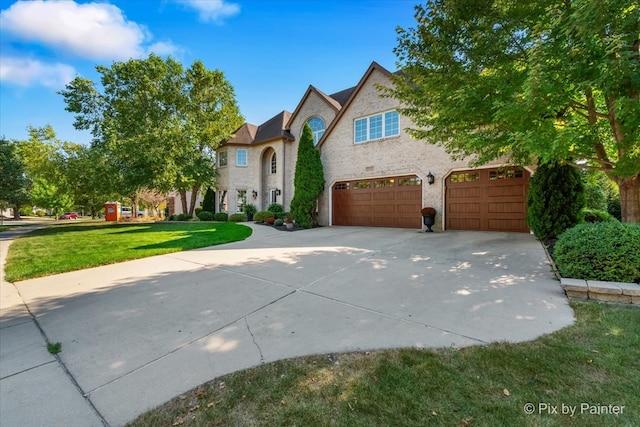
[617, 292]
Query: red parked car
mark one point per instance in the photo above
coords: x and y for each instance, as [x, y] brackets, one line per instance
[68, 215]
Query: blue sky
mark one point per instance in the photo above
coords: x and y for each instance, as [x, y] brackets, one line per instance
[270, 51]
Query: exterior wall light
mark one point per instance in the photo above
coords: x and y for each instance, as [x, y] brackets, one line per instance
[278, 192]
[255, 194]
[430, 178]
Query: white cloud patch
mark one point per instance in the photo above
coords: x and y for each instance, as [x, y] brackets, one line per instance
[212, 10]
[88, 30]
[30, 72]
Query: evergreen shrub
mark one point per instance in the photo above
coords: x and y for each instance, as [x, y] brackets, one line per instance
[238, 217]
[555, 200]
[221, 216]
[607, 251]
[205, 216]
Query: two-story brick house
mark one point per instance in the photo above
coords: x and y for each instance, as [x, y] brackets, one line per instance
[376, 174]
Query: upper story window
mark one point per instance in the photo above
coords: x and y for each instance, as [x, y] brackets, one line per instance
[377, 126]
[274, 164]
[222, 158]
[241, 157]
[317, 127]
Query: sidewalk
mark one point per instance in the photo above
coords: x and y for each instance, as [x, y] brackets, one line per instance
[35, 388]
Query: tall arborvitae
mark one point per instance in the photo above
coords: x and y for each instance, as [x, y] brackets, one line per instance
[208, 204]
[555, 200]
[308, 181]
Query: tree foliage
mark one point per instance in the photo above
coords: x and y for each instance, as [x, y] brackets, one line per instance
[555, 200]
[554, 80]
[14, 184]
[159, 123]
[79, 176]
[308, 181]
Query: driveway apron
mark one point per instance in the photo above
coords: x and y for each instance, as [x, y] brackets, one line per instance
[138, 333]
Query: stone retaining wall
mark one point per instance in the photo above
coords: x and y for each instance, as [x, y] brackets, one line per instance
[625, 293]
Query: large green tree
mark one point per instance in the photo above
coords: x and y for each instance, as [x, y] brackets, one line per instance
[308, 181]
[76, 174]
[159, 123]
[528, 80]
[14, 184]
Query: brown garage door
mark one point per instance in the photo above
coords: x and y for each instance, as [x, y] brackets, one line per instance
[381, 202]
[487, 200]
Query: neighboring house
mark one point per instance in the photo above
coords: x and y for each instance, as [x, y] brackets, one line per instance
[174, 202]
[376, 175]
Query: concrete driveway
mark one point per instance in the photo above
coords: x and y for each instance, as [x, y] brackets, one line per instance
[136, 334]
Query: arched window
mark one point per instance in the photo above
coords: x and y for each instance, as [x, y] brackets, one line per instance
[317, 127]
[274, 164]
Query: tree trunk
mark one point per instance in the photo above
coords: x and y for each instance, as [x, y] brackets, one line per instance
[183, 200]
[194, 195]
[630, 198]
[16, 212]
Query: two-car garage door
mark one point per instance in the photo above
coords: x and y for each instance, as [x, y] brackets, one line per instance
[475, 199]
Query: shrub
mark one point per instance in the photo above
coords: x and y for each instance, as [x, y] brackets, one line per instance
[281, 215]
[596, 215]
[275, 208]
[208, 203]
[40, 213]
[221, 216]
[238, 217]
[184, 217]
[555, 200]
[205, 216]
[197, 210]
[270, 220]
[607, 251]
[262, 216]
[250, 209]
[278, 222]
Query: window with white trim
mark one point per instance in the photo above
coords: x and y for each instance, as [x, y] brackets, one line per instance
[317, 127]
[376, 127]
[241, 157]
[222, 158]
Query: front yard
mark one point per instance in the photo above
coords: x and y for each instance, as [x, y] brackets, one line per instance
[67, 247]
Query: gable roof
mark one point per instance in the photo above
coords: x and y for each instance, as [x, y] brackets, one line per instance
[335, 101]
[352, 94]
[272, 129]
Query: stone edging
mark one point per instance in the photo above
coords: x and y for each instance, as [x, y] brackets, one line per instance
[625, 293]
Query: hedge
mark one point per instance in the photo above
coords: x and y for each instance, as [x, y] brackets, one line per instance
[238, 217]
[221, 216]
[205, 216]
[607, 251]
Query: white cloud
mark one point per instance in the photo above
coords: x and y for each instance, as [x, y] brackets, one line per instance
[28, 72]
[88, 30]
[212, 10]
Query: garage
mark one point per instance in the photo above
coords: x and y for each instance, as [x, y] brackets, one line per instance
[380, 202]
[487, 199]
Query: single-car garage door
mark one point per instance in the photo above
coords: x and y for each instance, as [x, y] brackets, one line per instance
[487, 200]
[380, 202]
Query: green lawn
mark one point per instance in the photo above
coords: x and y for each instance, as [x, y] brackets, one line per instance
[67, 247]
[595, 362]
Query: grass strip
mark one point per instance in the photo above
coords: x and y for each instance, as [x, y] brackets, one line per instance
[595, 362]
[65, 247]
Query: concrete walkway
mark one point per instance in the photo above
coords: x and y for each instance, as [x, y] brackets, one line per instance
[136, 334]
